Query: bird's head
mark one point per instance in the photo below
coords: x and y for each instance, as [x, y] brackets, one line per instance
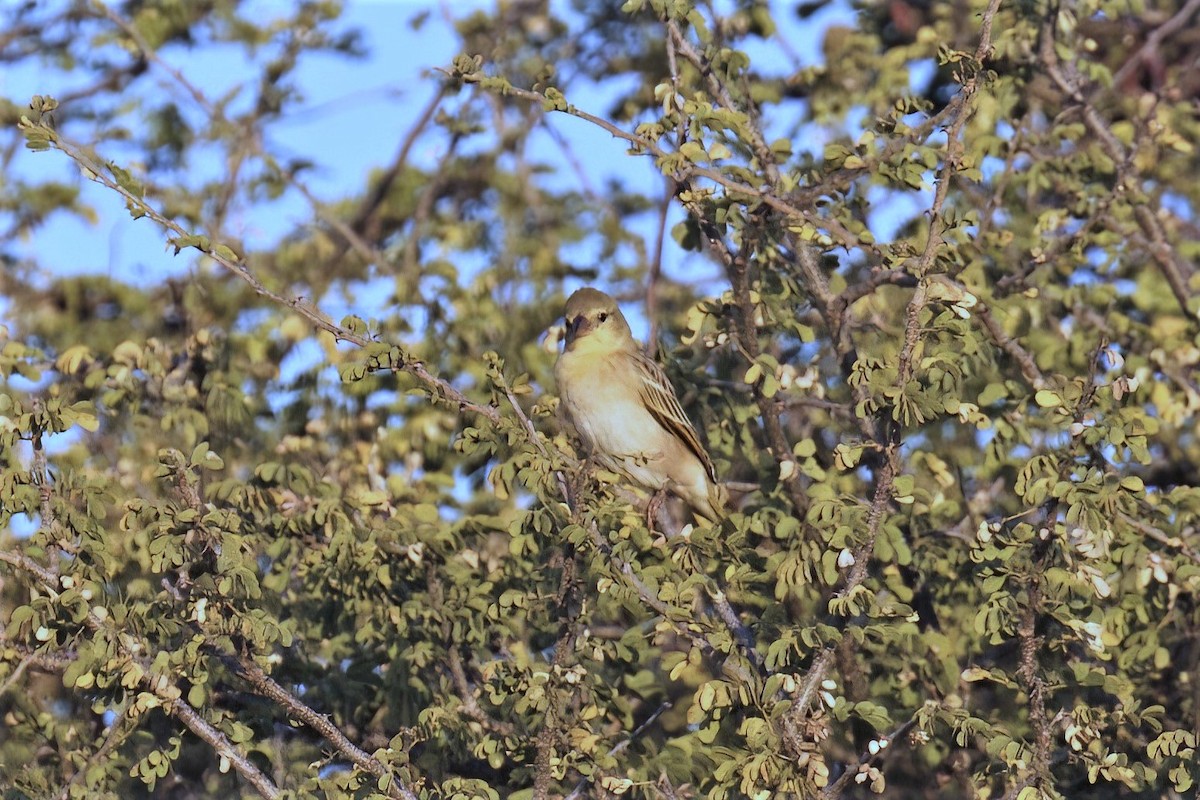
[595, 322]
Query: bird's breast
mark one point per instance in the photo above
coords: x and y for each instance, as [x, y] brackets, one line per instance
[602, 396]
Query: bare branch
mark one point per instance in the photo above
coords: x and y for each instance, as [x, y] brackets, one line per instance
[1029, 368]
[654, 274]
[367, 211]
[16, 674]
[27, 564]
[222, 746]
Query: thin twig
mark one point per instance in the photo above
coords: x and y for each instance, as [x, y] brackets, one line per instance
[884, 277]
[890, 468]
[429, 194]
[113, 738]
[577, 792]
[16, 674]
[1029, 368]
[686, 170]
[265, 686]
[27, 564]
[720, 92]
[1154, 41]
[383, 186]
[1175, 269]
[867, 758]
[654, 274]
[437, 386]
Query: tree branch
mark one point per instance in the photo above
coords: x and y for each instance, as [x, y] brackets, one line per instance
[438, 387]
[550, 733]
[1175, 269]
[577, 792]
[265, 686]
[686, 171]
[1155, 40]
[885, 746]
[1029, 368]
[793, 723]
[160, 686]
[222, 746]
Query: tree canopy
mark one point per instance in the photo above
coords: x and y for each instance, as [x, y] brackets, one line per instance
[303, 519]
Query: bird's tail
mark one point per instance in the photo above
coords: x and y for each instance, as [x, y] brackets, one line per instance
[714, 506]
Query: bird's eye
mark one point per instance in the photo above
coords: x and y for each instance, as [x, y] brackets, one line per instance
[603, 316]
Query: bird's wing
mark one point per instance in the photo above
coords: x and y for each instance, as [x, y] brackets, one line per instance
[658, 396]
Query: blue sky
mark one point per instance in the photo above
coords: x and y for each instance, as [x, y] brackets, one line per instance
[354, 116]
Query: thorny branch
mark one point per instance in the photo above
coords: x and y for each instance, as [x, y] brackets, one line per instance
[1029, 670]
[718, 89]
[654, 274]
[222, 747]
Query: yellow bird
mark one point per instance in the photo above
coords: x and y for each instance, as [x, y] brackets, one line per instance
[626, 410]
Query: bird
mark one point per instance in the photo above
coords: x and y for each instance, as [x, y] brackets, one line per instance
[626, 410]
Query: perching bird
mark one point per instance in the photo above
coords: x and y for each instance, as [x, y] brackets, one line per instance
[626, 410]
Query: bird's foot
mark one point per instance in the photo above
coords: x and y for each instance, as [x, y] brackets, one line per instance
[653, 507]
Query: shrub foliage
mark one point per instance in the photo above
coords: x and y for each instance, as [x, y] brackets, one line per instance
[931, 303]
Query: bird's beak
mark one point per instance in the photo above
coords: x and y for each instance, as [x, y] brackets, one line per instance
[576, 327]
